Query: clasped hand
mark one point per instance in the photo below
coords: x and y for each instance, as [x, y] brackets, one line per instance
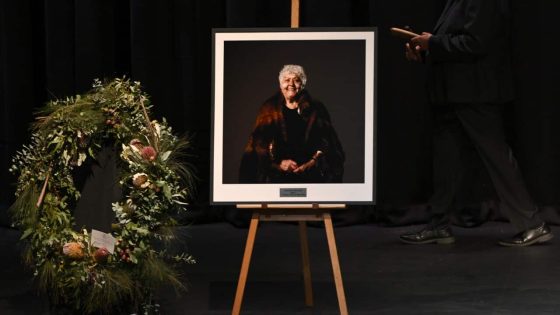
[416, 46]
[290, 166]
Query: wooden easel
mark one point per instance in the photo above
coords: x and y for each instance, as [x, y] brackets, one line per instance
[293, 212]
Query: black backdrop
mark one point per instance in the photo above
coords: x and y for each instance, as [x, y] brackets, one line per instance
[55, 48]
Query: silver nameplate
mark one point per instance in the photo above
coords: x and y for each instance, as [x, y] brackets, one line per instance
[293, 192]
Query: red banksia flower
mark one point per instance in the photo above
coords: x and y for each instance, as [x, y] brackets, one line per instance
[148, 153]
[101, 255]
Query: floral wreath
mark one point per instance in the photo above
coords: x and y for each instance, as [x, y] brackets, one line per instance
[155, 184]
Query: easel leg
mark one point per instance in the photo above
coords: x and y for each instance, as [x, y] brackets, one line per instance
[335, 264]
[245, 264]
[305, 263]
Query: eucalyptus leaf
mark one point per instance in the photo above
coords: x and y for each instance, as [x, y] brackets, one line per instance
[26, 234]
[165, 156]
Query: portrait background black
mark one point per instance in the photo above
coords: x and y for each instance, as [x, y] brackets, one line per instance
[335, 72]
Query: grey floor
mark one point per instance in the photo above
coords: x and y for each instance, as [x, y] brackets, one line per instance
[381, 276]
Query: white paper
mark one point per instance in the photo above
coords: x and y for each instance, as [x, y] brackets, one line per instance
[100, 239]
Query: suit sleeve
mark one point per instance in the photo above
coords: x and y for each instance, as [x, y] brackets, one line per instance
[467, 39]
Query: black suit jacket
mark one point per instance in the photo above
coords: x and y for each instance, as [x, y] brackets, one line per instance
[469, 58]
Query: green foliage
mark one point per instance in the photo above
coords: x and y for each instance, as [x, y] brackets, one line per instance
[156, 181]
[158, 272]
[117, 285]
[24, 209]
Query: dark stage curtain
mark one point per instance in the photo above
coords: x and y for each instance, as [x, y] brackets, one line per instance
[55, 48]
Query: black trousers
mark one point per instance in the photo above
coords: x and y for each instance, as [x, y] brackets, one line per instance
[483, 125]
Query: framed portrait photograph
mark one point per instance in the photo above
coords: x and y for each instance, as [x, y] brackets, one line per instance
[293, 115]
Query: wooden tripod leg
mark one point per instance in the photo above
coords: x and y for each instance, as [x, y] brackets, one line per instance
[335, 264]
[295, 14]
[245, 264]
[305, 263]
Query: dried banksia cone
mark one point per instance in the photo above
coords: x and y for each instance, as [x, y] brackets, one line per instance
[73, 250]
[140, 180]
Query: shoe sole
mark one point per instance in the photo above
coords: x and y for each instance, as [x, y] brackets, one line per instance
[541, 239]
[444, 241]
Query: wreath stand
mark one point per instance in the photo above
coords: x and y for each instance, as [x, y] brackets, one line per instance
[293, 212]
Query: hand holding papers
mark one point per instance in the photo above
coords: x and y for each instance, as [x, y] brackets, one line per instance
[414, 50]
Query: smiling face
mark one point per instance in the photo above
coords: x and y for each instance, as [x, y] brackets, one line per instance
[290, 85]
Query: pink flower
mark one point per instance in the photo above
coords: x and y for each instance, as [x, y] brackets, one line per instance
[101, 255]
[148, 153]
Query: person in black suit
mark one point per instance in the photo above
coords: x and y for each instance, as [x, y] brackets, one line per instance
[469, 81]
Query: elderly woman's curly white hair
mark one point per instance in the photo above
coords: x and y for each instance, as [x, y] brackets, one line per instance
[293, 69]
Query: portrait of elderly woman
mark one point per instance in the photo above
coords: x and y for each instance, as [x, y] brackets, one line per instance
[293, 139]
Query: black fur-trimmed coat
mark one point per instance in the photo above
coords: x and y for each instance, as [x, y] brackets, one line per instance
[264, 150]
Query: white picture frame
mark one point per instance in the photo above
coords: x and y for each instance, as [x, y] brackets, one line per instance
[245, 72]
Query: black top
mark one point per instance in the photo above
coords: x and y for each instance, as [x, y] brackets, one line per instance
[281, 133]
[295, 131]
[469, 59]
